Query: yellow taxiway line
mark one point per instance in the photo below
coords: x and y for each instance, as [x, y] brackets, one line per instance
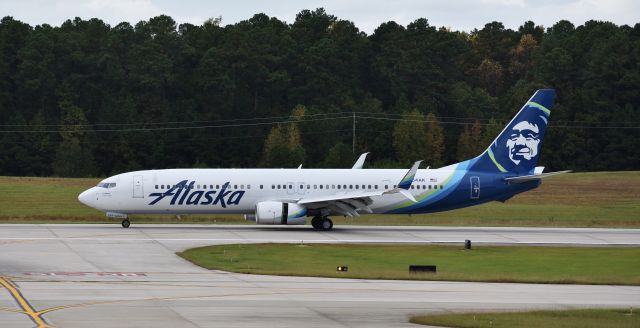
[27, 309]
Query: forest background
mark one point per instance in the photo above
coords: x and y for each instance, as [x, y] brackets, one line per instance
[89, 99]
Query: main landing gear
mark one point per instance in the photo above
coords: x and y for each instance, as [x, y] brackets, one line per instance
[321, 223]
[126, 223]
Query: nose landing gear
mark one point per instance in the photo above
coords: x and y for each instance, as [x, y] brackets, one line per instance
[321, 223]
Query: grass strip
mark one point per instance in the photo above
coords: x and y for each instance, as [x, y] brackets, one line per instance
[522, 264]
[584, 318]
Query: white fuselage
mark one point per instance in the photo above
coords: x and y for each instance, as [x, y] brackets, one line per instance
[151, 191]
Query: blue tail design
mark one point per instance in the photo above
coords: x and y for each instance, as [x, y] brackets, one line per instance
[517, 147]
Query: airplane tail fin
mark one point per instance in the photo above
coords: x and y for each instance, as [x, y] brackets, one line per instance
[517, 147]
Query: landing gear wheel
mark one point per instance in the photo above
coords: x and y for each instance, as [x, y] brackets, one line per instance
[316, 222]
[126, 223]
[326, 224]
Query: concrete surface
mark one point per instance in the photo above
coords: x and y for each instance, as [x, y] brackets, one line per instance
[107, 276]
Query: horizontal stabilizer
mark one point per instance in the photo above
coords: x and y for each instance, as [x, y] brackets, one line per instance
[527, 178]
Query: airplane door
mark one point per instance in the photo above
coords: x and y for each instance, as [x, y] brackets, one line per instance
[138, 187]
[475, 187]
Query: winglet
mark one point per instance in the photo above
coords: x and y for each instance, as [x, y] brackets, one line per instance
[360, 162]
[406, 182]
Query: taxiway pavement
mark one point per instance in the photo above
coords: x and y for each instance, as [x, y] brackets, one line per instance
[107, 276]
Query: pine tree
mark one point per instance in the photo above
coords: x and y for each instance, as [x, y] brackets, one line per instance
[73, 158]
[410, 137]
[464, 144]
[283, 147]
[434, 141]
[339, 156]
[490, 133]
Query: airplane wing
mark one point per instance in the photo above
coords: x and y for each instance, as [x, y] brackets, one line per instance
[351, 204]
[527, 178]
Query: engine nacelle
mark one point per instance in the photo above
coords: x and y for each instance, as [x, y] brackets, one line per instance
[280, 213]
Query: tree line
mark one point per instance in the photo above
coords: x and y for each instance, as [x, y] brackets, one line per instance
[90, 99]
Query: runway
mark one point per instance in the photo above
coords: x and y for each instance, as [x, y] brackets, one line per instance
[107, 276]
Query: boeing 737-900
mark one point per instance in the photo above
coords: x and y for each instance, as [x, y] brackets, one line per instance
[289, 196]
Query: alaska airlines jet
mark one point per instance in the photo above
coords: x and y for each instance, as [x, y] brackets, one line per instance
[288, 196]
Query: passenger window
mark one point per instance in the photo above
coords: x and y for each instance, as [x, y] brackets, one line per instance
[278, 186]
[320, 186]
[350, 186]
[441, 186]
[241, 187]
[375, 187]
[386, 186]
[333, 186]
[356, 186]
[301, 186]
[344, 186]
[315, 186]
[412, 187]
[290, 186]
[338, 186]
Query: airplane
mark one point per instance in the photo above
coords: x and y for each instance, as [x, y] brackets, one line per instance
[291, 196]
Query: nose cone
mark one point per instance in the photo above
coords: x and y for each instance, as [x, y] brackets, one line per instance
[88, 197]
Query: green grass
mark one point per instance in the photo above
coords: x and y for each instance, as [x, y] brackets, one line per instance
[579, 265]
[586, 318]
[603, 199]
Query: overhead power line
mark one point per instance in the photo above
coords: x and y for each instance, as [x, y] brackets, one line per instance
[281, 120]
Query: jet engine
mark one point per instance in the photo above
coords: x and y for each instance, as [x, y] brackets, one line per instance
[279, 213]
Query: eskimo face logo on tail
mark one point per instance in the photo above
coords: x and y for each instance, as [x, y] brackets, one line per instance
[183, 194]
[523, 142]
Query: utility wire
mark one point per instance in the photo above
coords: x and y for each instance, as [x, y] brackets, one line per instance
[310, 118]
[271, 118]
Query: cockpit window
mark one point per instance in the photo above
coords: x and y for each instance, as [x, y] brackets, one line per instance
[106, 185]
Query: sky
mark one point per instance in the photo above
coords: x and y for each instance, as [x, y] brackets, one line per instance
[462, 15]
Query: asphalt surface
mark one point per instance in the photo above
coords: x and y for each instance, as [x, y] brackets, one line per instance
[107, 276]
